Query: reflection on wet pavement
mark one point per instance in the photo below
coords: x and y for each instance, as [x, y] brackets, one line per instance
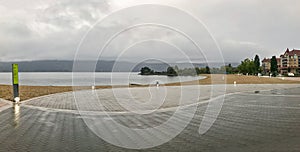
[16, 114]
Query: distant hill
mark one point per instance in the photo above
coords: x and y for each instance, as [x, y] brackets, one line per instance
[87, 66]
[39, 66]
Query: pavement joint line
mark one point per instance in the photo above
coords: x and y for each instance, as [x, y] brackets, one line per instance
[51, 109]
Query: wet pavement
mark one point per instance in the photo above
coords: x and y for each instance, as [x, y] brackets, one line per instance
[4, 104]
[264, 121]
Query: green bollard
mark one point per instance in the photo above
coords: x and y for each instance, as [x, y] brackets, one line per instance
[15, 79]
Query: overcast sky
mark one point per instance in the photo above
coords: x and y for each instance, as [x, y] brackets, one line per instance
[53, 29]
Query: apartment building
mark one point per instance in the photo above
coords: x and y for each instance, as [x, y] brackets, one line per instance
[289, 62]
[266, 65]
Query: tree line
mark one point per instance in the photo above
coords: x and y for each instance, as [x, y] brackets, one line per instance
[252, 67]
[175, 71]
[247, 67]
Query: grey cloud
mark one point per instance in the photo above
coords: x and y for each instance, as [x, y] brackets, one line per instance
[237, 50]
[53, 33]
[14, 29]
[74, 13]
[273, 25]
[53, 29]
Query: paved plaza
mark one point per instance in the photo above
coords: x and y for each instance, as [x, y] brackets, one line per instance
[252, 118]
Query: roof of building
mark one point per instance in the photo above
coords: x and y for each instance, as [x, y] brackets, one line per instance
[266, 60]
[269, 60]
[292, 52]
[287, 52]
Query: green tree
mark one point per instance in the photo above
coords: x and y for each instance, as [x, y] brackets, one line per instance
[247, 67]
[257, 64]
[274, 68]
[229, 69]
[198, 71]
[146, 71]
[202, 70]
[207, 70]
[171, 71]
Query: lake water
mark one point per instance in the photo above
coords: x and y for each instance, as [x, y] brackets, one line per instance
[88, 79]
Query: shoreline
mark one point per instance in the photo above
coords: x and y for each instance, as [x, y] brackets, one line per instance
[29, 92]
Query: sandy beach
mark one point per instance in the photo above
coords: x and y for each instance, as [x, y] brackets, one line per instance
[28, 92]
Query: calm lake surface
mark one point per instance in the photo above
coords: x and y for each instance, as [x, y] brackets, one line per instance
[88, 79]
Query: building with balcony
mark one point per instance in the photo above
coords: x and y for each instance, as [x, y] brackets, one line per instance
[266, 65]
[289, 62]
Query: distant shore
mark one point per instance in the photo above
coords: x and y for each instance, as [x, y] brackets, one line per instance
[28, 92]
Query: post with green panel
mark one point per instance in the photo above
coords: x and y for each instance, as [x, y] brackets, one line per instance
[15, 79]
